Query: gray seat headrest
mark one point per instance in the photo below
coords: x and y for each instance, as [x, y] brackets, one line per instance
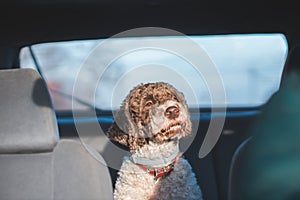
[27, 118]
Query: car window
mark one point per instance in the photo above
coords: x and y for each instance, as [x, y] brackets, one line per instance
[249, 65]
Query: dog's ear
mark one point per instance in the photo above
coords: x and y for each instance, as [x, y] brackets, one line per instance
[116, 134]
[123, 129]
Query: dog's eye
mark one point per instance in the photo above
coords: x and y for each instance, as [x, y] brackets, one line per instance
[148, 104]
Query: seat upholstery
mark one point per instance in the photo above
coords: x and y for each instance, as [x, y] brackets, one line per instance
[27, 121]
[79, 173]
[34, 162]
[237, 162]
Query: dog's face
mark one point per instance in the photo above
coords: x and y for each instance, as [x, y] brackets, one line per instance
[154, 112]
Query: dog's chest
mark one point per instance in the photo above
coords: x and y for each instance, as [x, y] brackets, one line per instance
[180, 184]
[156, 152]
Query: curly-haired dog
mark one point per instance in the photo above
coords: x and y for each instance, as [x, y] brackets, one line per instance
[151, 120]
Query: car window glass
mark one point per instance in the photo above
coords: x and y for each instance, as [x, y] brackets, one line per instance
[250, 66]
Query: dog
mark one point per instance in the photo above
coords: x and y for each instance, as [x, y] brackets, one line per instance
[151, 121]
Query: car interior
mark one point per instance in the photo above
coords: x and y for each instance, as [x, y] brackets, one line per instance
[52, 136]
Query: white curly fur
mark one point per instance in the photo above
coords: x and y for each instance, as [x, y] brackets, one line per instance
[135, 183]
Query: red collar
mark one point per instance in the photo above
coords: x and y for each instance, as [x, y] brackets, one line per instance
[159, 172]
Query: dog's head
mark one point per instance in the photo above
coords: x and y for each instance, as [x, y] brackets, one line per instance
[154, 112]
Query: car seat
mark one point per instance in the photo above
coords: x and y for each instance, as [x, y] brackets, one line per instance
[267, 166]
[34, 162]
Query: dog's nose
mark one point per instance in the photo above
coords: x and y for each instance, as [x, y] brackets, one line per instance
[172, 112]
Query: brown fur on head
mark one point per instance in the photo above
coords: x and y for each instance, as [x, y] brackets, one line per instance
[154, 112]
